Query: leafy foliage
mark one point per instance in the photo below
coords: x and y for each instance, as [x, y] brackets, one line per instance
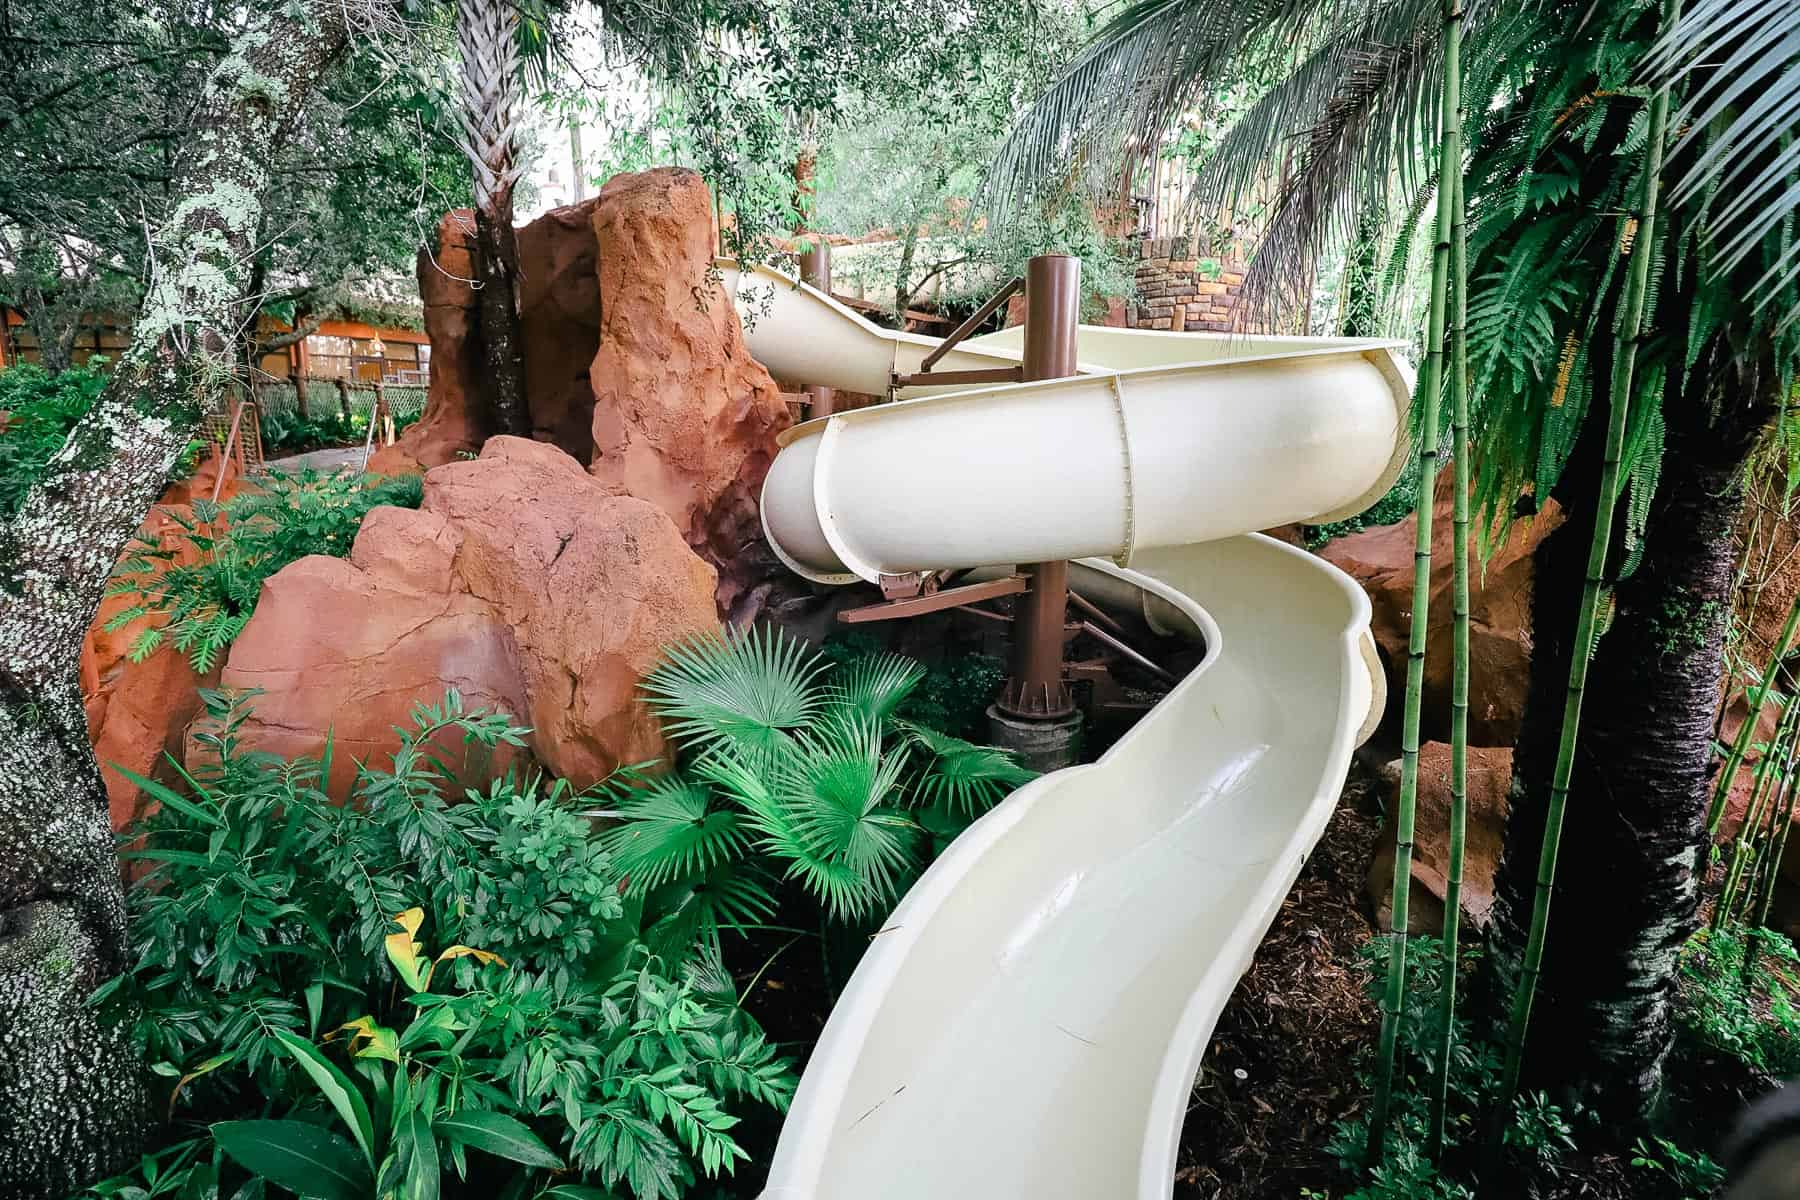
[280, 966]
[289, 431]
[1738, 992]
[1554, 172]
[794, 768]
[198, 594]
[41, 408]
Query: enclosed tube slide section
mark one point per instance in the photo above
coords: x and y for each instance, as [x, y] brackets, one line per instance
[1028, 1023]
[801, 335]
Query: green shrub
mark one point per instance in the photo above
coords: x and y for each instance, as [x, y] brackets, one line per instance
[1741, 1010]
[285, 430]
[42, 408]
[951, 697]
[791, 768]
[201, 606]
[279, 969]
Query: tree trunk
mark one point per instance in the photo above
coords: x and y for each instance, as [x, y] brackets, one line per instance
[487, 39]
[1626, 898]
[72, 1097]
[1359, 304]
[903, 274]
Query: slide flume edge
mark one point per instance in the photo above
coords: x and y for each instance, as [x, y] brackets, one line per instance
[1030, 1019]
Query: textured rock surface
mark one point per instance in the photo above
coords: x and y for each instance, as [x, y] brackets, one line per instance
[520, 581]
[683, 416]
[138, 711]
[559, 320]
[1381, 559]
[1490, 774]
[453, 422]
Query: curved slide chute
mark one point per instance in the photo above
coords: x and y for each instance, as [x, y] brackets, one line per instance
[1028, 1023]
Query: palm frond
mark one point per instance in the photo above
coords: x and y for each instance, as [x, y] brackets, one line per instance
[672, 828]
[1147, 64]
[965, 779]
[691, 912]
[874, 687]
[829, 811]
[1743, 57]
[754, 689]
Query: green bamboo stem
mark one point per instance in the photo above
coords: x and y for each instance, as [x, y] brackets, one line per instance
[1630, 333]
[1753, 814]
[1449, 166]
[1753, 702]
[1459, 682]
[1761, 876]
[1775, 854]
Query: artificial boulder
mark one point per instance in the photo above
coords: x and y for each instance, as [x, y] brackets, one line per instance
[559, 323]
[1381, 560]
[520, 581]
[454, 422]
[138, 712]
[1489, 778]
[683, 416]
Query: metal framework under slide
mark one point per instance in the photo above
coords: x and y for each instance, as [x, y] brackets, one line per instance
[1030, 1019]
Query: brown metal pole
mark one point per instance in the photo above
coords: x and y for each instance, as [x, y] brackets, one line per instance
[1035, 689]
[815, 271]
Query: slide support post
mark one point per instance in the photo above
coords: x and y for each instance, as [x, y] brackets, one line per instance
[815, 272]
[1035, 715]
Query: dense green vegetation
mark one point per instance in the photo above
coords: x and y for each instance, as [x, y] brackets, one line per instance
[417, 978]
[197, 593]
[40, 408]
[793, 768]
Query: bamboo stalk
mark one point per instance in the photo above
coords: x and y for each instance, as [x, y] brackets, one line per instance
[1753, 813]
[1449, 167]
[1775, 855]
[1459, 683]
[1630, 333]
[1753, 702]
[1761, 877]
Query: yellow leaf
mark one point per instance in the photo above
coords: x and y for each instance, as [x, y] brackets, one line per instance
[481, 956]
[403, 949]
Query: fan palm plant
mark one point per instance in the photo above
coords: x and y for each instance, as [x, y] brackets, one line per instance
[791, 770]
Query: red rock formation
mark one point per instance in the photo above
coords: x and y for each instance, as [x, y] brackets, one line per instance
[520, 581]
[559, 319]
[453, 422]
[1381, 559]
[683, 416]
[138, 711]
[1490, 775]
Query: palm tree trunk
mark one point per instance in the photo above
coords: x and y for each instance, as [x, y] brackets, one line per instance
[1631, 324]
[71, 1091]
[1393, 1002]
[1600, 1025]
[487, 39]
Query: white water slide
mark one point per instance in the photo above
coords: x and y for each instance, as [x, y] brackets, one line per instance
[1029, 1021]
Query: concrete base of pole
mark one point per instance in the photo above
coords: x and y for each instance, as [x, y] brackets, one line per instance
[1040, 745]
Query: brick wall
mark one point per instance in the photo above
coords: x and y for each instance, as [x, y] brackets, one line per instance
[1179, 290]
